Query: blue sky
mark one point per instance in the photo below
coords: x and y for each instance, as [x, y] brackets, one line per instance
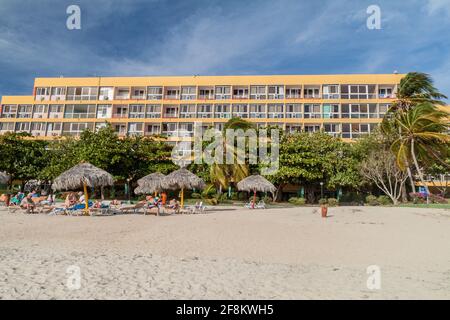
[161, 37]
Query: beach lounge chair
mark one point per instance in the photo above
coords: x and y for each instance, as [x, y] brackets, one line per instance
[199, 208]
[261, 205]
[138, 207]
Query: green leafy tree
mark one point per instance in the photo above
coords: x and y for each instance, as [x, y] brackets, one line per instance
[22, 156]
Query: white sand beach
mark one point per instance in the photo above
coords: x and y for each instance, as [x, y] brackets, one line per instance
[287, 253]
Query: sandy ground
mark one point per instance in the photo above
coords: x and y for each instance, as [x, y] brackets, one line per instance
[228, 254]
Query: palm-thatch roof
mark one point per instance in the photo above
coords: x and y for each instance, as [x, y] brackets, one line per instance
[4, 178]
[256, 183]
[150, 183]
[182, 179]
[83, 173]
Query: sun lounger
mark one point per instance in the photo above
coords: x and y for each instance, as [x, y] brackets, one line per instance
[138, 207]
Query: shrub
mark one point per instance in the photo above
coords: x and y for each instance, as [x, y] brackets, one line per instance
[297, 201]
[323, 202]
[434, 198]
[418, 198]
[372, 200]
[196, 195]
[384, 200]
[251, 199]
[332, 202]
[267, 199]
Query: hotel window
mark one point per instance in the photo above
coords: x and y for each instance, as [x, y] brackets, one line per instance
[172, 94]
[222, 111]
[56, 111]
[373, 113]
[386, 92]
[332, 129]
[82, 93]
[293, 128]
[258, 92]
[152, 129]
[104, 111]
[356, 92]
[188, 93]
[106, 93]
[122, 93]
[9, 111]
[383, 109]
[311, 93]
[170, 111]
[22, 126]
[312, 127]
[79, 111]
[38, 129]
[330, 91]
[330, 111]
[7, 127]
[137, 111]
[275, 111]
[187, 111]
[258, 111]
[204, 111]
[24, 111]
[312, 111]
[153, 111]
[359, 111]
[185, 130]
[136, 128]
[276, 92]
[120, 129]
[58, 93]
[345, 111]
[54, 128]
[154, 93]
[138, 93]
[240, 110]
[293, 93]
[294, 110]
[42, 94]
[240, 93]
[223, 92]
[74, 93]
[120, 111]
[89, 93]
[206, 93]
[170, 129]
[40, 111]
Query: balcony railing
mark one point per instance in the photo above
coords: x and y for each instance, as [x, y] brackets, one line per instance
[172, 97]
[258, 115]
[120, 115]
[206, 97]
[293, 96]
[240, 97]
[291, 115]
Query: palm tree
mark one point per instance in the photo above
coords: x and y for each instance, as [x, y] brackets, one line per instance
[416, 88]
[421, 136]
[225, 174]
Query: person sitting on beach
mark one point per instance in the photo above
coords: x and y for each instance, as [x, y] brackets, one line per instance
[17, 199]
[174, 204]
[28, 204]
[81, 197]
[71, 199]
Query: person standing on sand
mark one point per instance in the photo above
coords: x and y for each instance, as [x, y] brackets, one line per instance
[163, 198]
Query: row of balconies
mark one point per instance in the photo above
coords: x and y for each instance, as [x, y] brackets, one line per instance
[175, 130]
[217, 93]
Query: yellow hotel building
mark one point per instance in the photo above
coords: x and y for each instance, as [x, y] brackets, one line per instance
[341, 105]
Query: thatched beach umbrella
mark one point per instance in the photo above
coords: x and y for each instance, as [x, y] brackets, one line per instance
[4, 178]
[82, 176]
[256, 183]
[150, 184]
[182, 179]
